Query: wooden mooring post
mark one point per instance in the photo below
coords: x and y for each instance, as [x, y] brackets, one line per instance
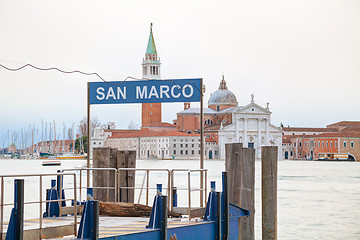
[269, 191]
[240, 165]
[105, 179]
[126, 159]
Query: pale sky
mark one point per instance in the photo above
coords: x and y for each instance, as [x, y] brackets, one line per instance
[302, 56]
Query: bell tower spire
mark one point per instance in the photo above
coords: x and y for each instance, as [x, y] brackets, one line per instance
[151, 63]
[151, 112]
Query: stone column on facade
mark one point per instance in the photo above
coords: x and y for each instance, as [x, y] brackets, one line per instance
[258, 148]
[266, 131]
[237, 130]
[245, 140]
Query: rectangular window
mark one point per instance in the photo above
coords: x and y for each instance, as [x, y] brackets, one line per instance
[186, 152]
[181, 152]
[181, 145]
[192, 152]
[174, 144]
[335, 143]
[327, 144]
[352, 144]
[186, 145]
[323, 144]
[344, 143]
[315, 143]
[331, 144]
[174, 152]
[192, 145]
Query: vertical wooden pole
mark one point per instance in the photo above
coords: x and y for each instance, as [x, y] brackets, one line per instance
[248, 193]
[240, 165]
[101, 157]
[201, 142]
[131, 163]
[111, 180]
[88, 135]
[233, 166]
[126, 159]
[269, 191]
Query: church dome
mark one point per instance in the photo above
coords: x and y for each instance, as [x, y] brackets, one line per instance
[222, 96]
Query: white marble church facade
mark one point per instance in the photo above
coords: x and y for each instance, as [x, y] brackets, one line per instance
[251, 126]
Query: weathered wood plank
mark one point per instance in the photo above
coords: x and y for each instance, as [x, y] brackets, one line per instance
[131, 163]
[50, 232]
[269, 191]
[122, 209]
[248, 193]
[121, 163]
[240, 167]
[101, 157]
[233, 153]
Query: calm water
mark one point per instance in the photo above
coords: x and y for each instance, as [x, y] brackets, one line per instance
[316, 200]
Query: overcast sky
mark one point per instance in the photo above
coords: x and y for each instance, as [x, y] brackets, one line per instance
[302, 56]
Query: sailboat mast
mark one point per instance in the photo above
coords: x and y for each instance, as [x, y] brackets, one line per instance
[54, 138]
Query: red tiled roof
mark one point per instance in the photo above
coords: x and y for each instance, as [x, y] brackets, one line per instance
[303, 129]
[161, 124]
[149, 133]
[356, 129]
[345, 124]
[120, 130]
[350, 134]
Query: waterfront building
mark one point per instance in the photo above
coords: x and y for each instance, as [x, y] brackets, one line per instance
[340, 137]
[156, 144]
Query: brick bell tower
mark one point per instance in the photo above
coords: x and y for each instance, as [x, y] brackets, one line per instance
[151, 112]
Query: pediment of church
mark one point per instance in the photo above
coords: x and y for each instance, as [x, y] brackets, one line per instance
[252, 108]
[273, 128]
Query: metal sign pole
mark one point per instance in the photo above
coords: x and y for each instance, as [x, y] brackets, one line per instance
[88, 135]
[201, 143]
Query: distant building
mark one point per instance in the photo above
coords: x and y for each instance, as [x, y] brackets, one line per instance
[308, 143]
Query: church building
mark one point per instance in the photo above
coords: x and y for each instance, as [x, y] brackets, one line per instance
[226, 122]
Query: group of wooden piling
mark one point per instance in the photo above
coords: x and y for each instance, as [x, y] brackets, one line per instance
[240, 166]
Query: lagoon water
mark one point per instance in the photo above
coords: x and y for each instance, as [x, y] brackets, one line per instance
[316, 200]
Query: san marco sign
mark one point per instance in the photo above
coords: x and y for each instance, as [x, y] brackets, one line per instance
[147, 91]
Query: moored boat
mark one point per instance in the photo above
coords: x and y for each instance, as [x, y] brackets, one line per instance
[51, 163]
[77, 157]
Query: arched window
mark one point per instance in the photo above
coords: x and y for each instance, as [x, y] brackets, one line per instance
[208, 122]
